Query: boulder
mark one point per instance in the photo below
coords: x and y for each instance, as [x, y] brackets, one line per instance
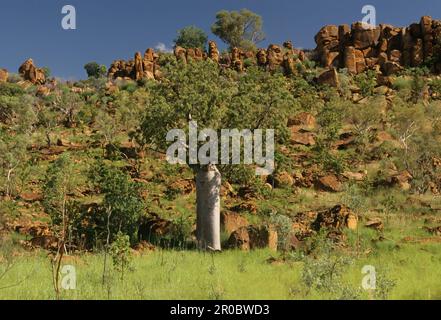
[302, 138]
[337, 217]
[375, 224]
[213, 52]
[4, 74]
[254, 237]
[354, 60]
[329, 77]
[231, 221]
[303, 121]
[283, 180]
[180, 54]
[329, 183]
[261, 57]
[138, 69]
[239, 239]
[274, 57]
[364, 37]
[31, 73]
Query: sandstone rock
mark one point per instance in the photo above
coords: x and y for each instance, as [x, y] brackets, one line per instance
[375, 223]
[180, 54]
[253, 237]
[337, 217]
[354, 60]
[402, 180]
[274, 57]
[330, 78]
[283, 180]
[213, 52]
[385, 46]
[31, 73]
[261, 57]
[327, 37]
[139, 69]
[231, 221]
[151, 70]
[4, 74]
[289, 67]
[364, 37]
[356, 176]
[329, 183]
[391, 68]
[240, 239]
[43, 91]
[263, 237]
[304, 121]
[302, 138]
[245, 207]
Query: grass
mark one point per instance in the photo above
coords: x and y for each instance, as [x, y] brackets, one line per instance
[167, 274]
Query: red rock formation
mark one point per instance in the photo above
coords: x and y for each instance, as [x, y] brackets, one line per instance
[213, 52]
[140, 68]
[386, 48]
[31, 73]
[4, 74]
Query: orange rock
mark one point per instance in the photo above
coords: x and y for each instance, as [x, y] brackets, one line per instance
[31, 73]
[4, 74]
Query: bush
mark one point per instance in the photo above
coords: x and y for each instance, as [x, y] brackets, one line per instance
[366, 82]
[122, 198]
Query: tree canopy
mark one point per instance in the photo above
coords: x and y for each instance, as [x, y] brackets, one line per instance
[94, 70]
[242, 29]
[191, 37]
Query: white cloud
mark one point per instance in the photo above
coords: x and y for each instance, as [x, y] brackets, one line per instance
[162, 47]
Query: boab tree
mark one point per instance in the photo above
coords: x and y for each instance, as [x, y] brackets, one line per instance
[202, 94]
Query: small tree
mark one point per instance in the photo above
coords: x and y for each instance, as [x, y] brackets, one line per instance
[122, 198]
[191, 37]
[242, 29]
[95, 70]
[121, 255]
[58, 185]
[216, 101]
[67, 104]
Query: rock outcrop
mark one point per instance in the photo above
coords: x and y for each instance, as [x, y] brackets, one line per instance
[274, 58]
[137, 69]
[31, 73]
[4, 74]
[384, 47]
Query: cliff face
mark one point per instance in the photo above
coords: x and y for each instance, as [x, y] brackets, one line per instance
[385, 48]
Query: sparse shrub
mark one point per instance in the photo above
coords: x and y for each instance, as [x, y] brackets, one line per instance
[283, 225]
[121, 254]
[367, 82]
[325, 272]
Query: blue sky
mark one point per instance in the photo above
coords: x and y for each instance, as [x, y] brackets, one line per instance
[109, 30]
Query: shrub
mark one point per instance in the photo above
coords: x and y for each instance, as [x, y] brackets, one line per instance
[366, 82]
[120, 253]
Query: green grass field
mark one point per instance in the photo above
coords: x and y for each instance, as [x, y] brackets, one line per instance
[166, 274]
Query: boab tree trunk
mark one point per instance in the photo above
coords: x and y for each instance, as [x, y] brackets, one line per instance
[208, 184]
